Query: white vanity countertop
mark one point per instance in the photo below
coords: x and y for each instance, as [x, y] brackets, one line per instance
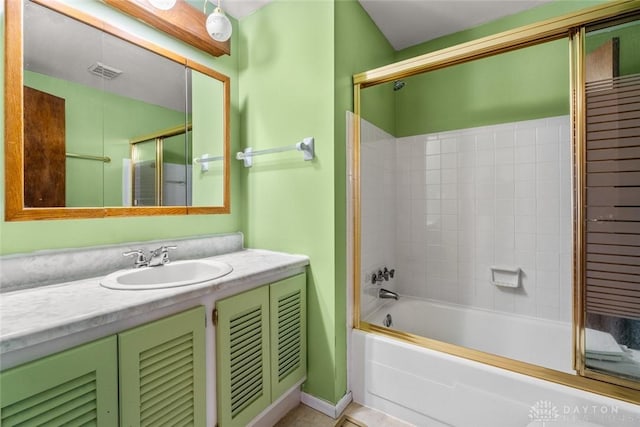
[36, 315]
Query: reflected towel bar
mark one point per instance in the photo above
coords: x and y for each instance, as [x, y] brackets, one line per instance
[306, 146]
[205, 160]
[104, 159]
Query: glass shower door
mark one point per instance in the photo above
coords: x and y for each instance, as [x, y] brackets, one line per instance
[612, 200]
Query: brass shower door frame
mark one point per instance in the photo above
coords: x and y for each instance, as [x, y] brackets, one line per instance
[579, 136]
[571, 27]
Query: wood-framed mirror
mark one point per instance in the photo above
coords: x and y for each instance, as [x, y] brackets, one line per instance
[78, 92]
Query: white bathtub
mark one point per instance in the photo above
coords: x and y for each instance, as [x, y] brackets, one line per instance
[429, 388]
[541, 342]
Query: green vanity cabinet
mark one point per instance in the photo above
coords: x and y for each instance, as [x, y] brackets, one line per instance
[74, 387]
[288, 310]
[261, 348]
[242, 357]
[162, 371]
[151, 375]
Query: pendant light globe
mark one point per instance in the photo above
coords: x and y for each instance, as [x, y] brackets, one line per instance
[163, 4]
[218, 25]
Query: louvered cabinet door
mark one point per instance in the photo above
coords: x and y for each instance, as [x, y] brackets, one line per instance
[288, 311]
[72, 388]
[162, 372]
[242, 357]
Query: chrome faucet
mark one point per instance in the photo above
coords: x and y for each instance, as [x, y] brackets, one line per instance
[386, 294]
[160, 256]
[157, 257]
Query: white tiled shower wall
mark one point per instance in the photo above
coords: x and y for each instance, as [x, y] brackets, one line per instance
[378, 210]
[468, 199]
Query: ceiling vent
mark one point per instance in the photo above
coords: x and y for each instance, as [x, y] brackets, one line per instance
[104, 71]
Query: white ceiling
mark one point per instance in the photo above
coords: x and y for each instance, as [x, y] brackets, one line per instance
[409, 22]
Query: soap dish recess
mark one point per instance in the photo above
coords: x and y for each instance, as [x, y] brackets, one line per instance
[506, 277]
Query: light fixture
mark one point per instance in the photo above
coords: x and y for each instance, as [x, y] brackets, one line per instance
[163, 4]
[218, 25]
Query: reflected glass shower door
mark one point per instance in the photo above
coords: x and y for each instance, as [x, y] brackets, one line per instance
[144, 159]
[176, 171]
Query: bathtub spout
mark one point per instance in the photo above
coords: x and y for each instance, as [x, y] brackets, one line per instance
[384, 293]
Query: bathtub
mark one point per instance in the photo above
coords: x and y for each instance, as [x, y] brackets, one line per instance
[430, 388]
[537, 341]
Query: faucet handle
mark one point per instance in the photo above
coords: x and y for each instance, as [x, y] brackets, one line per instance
[140, 261]
[163, 251]
[389, 273]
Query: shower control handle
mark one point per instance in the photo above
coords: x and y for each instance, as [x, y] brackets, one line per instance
[382, 275]
[377, 277]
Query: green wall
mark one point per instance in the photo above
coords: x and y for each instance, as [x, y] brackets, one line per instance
[526, 84]
[293, 87]
[27, 236]
[286, 94]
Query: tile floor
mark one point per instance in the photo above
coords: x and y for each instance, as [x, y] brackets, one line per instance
[304, 416]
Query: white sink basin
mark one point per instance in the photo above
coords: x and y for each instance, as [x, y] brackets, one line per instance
[178, 273]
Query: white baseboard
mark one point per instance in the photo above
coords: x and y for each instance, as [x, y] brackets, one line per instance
[326, 407]
[278, 409]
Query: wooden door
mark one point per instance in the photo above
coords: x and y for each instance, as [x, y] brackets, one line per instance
[604, 62]
[44, 149]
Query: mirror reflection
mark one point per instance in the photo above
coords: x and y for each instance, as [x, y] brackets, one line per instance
[156, 173]
[109, 123]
